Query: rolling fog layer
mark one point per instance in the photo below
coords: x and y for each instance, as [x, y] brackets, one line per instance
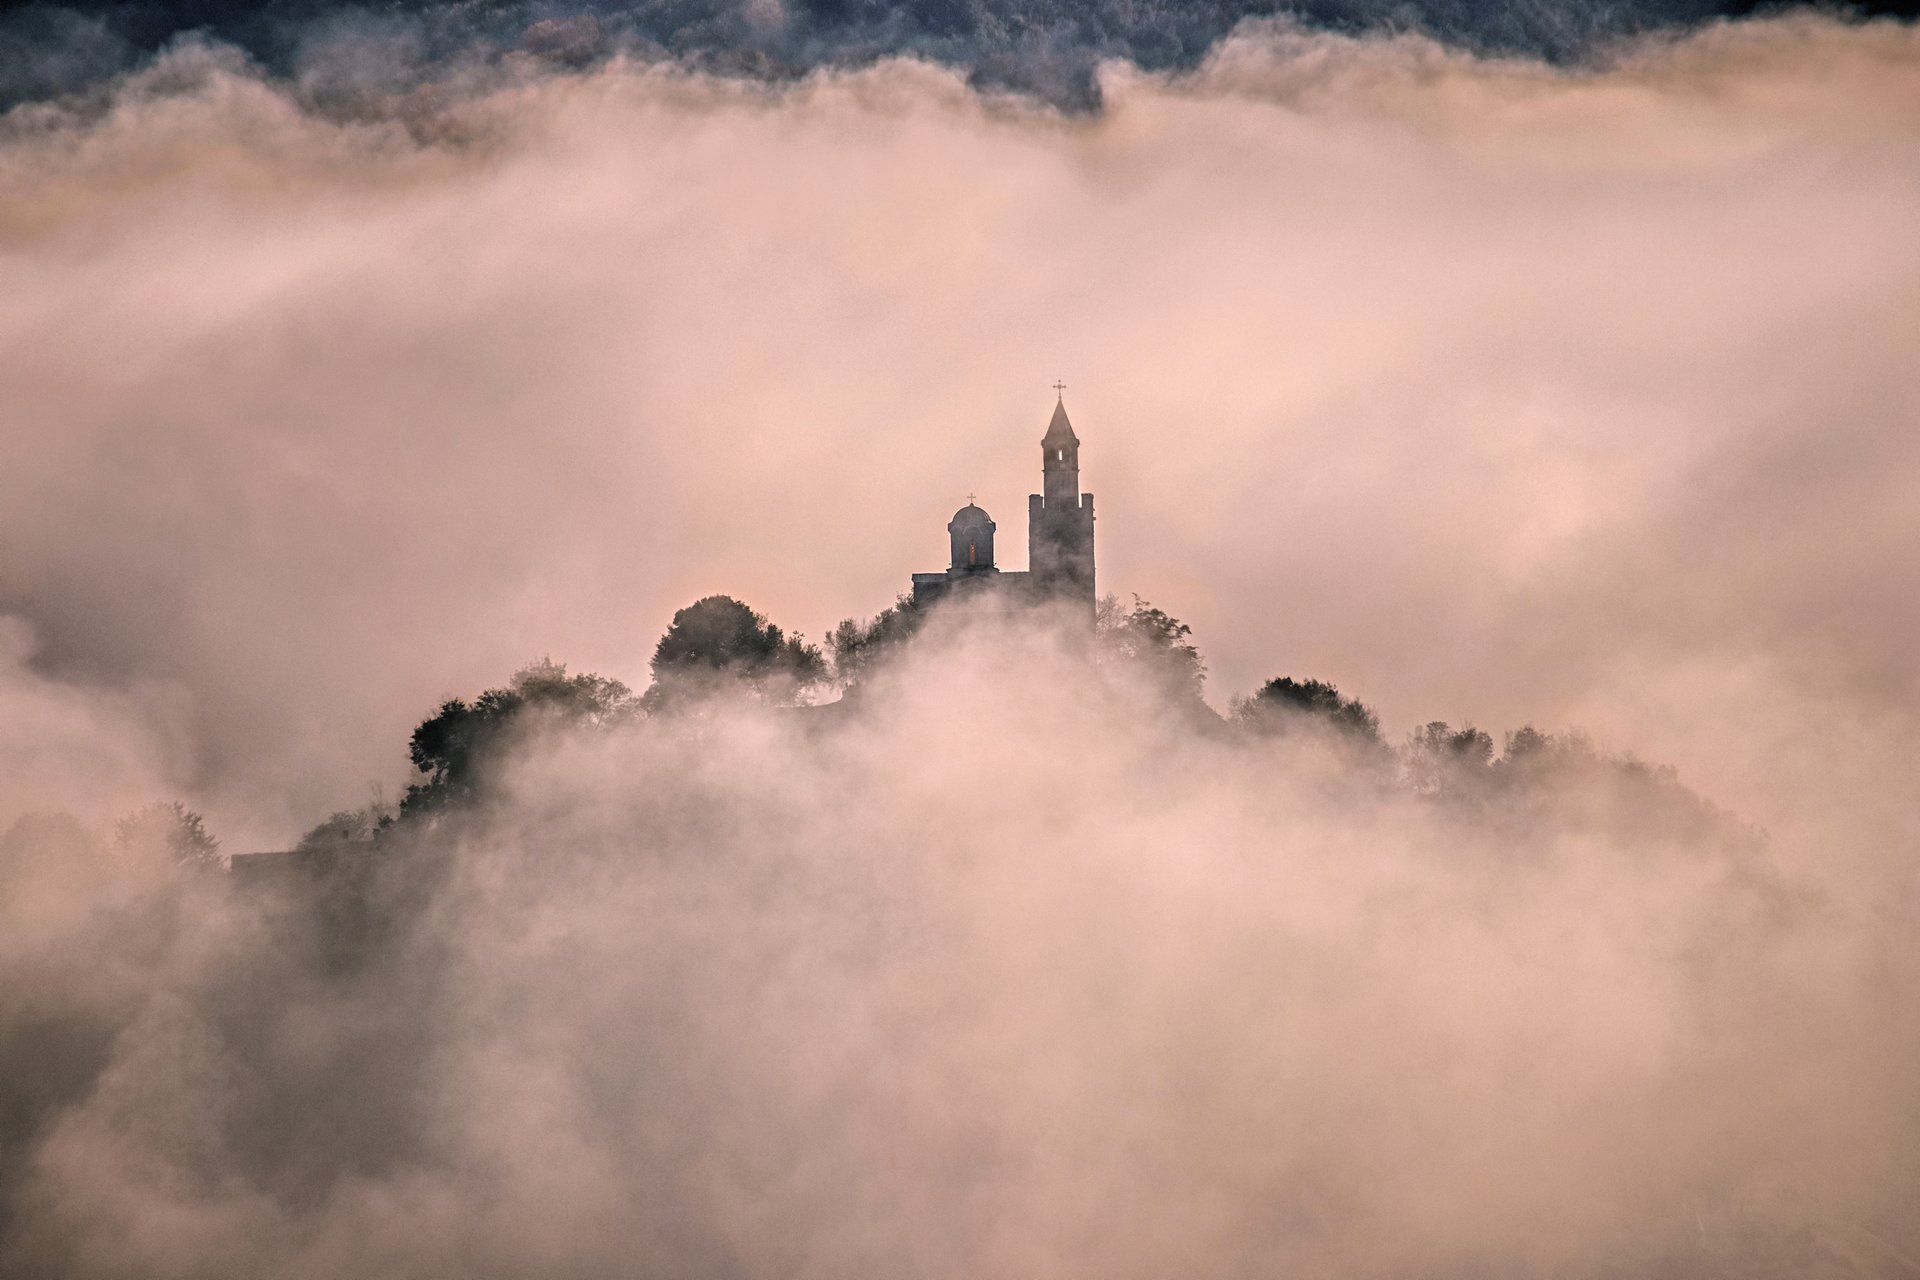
[1017, 973]
[1491, 392]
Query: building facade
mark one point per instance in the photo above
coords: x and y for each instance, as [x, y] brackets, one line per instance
[1059, 540]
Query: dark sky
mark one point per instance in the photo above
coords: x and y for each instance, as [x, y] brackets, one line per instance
[1048, 47]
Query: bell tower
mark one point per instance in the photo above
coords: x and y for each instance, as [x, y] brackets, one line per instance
[1060, 517]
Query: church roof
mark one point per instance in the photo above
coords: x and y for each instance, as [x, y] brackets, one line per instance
[1059, 431]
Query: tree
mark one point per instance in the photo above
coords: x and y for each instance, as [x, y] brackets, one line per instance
[1153, 643]
[166, 832]
[460, 743]
[1525, 743]
[717, 646]
[1285, 703]
[1443, 761]
[858, 648]
[345, 829]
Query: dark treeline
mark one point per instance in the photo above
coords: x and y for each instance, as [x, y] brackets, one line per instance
[720, 652]
[343, 56]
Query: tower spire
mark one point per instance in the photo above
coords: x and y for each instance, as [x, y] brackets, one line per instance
[1060, 517]
[1060, 431]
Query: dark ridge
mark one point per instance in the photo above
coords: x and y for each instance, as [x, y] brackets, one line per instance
[1049, 48]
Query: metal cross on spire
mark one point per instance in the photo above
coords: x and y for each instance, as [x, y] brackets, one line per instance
[1060, 389]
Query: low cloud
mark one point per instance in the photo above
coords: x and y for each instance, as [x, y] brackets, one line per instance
[1490, 391]
[1008, 972]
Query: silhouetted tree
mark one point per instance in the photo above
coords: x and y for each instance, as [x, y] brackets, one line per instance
[717, 645]
[457, 746]
[1154, 643]
[1445, 762]
[858, 649]
[1285, 703]
[1563, 780]
[346, 829]
[1525, 743]
[166, 831]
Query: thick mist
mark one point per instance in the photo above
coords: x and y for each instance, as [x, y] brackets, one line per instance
[1494, 392]
[1013, 970]
[1489, 392]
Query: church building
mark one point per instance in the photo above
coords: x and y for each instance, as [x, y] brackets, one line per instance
[1059, 539]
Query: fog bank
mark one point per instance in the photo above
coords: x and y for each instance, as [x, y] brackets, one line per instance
[1494, 392]
[1010, 973]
